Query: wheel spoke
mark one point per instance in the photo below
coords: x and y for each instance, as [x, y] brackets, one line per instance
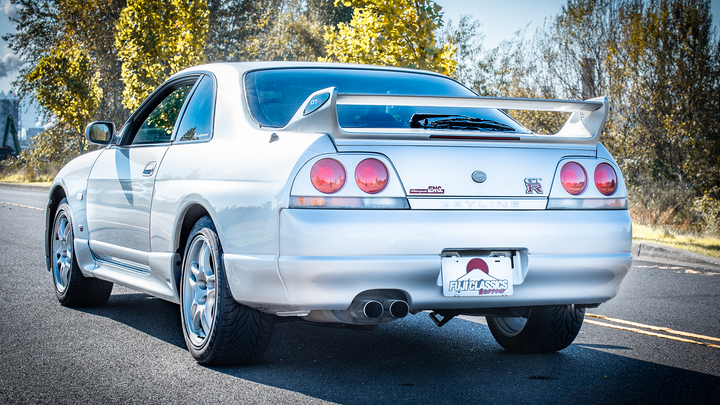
[194, 273]
[196, 314]
[66, 237]
[205, 260]
[61, 231]
[210, 302]
[64, 268]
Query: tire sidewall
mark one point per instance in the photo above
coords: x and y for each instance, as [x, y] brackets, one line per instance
[525, 337]
[205, 228]
[548, 329]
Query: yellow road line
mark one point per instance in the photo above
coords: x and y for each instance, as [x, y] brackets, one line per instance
[657, 328]
[648, 333]
[24, 206]
[644, 332]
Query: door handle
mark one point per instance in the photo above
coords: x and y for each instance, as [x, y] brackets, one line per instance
[149, 169]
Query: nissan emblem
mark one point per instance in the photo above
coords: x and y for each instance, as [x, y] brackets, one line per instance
[479, 176]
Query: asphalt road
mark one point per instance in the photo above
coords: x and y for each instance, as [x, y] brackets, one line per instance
[132, 349]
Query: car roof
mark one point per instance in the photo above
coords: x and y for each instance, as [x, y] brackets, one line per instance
[242, 67]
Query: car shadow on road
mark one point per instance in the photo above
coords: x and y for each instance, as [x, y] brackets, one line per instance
[412, 361]
[153, 316]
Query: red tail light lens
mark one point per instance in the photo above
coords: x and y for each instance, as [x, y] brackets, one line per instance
[605, 179]
[328, 176]
[371, 176]
[573, 178]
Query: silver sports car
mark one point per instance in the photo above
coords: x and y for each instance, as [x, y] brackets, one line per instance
[253, 193]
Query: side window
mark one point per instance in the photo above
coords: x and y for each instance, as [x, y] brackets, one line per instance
[196, 123]
[158, 126]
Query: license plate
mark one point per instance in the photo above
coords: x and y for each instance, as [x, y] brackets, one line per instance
[476, 276]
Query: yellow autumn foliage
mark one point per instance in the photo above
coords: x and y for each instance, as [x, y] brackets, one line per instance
[392, 33]
[156, 39]
[66, 85]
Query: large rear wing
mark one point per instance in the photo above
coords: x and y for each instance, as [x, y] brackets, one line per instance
[319, 114]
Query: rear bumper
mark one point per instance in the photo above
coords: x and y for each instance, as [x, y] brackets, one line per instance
[328, 257]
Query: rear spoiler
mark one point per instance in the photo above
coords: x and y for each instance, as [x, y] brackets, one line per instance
[319, 114]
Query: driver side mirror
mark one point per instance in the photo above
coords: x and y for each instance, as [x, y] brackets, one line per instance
[100, 132]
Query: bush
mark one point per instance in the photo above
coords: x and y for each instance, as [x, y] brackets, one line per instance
[708, 208]
[47, 153]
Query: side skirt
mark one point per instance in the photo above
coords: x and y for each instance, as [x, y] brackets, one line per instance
[160, 281]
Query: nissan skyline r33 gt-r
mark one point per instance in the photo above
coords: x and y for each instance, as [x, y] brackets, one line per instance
[252, 193]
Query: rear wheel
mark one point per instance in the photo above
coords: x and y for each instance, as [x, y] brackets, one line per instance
[218, 330]
[546, 329]
[71, 287]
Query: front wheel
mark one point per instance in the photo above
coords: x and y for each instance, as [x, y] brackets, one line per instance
[546, 329]
[217, 329]
[71, 287]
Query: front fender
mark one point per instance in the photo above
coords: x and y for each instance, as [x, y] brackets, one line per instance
[70, 183]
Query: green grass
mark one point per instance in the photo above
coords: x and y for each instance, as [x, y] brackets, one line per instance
[706, 245]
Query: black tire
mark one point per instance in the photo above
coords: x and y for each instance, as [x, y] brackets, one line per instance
[545, 330]
[71, 287]
[230, 333]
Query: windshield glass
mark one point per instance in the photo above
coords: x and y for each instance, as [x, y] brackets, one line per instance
[274, 95]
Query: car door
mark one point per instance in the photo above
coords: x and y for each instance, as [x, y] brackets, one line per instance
[121, 183]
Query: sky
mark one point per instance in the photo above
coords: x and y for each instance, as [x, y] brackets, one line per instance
[499, 20]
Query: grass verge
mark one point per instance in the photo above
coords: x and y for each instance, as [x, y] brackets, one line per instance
[27, 177]
[706, 245]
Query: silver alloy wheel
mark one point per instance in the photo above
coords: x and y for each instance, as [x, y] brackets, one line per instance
[63, 250]
[199, 291]
[510, 326]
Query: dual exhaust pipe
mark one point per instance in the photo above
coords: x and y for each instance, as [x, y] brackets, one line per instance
[373, 309]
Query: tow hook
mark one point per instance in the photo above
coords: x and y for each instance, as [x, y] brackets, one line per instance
[447, 316]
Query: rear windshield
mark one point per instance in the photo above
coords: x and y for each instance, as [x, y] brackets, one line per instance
[274, 95]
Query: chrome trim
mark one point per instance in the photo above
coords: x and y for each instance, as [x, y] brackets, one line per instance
[477, 203]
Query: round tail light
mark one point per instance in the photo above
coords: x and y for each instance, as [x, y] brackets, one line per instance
[328, 176]
[371, 176]
[605, 179]
[573, 178]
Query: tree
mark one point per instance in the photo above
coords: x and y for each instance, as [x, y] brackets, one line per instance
[241, 30]
[391, 32]
[659, 63]
[233, 25]
[71, 71]
[66, 84]
[467, 39]
[156, 39]
[69, 27]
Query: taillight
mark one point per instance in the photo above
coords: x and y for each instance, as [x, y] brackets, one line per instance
[328, 176]
[573, 178]
[371, 176]
[605, 179]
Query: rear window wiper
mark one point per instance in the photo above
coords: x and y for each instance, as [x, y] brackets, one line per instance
[453, 121]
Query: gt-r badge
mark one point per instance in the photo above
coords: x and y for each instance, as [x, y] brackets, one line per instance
[532, 184]
[479, 176]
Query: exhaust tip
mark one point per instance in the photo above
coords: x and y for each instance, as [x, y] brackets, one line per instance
[398, 308]
[373, 309]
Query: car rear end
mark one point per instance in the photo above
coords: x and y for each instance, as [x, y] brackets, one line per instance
[560, 248]
[490, 220]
